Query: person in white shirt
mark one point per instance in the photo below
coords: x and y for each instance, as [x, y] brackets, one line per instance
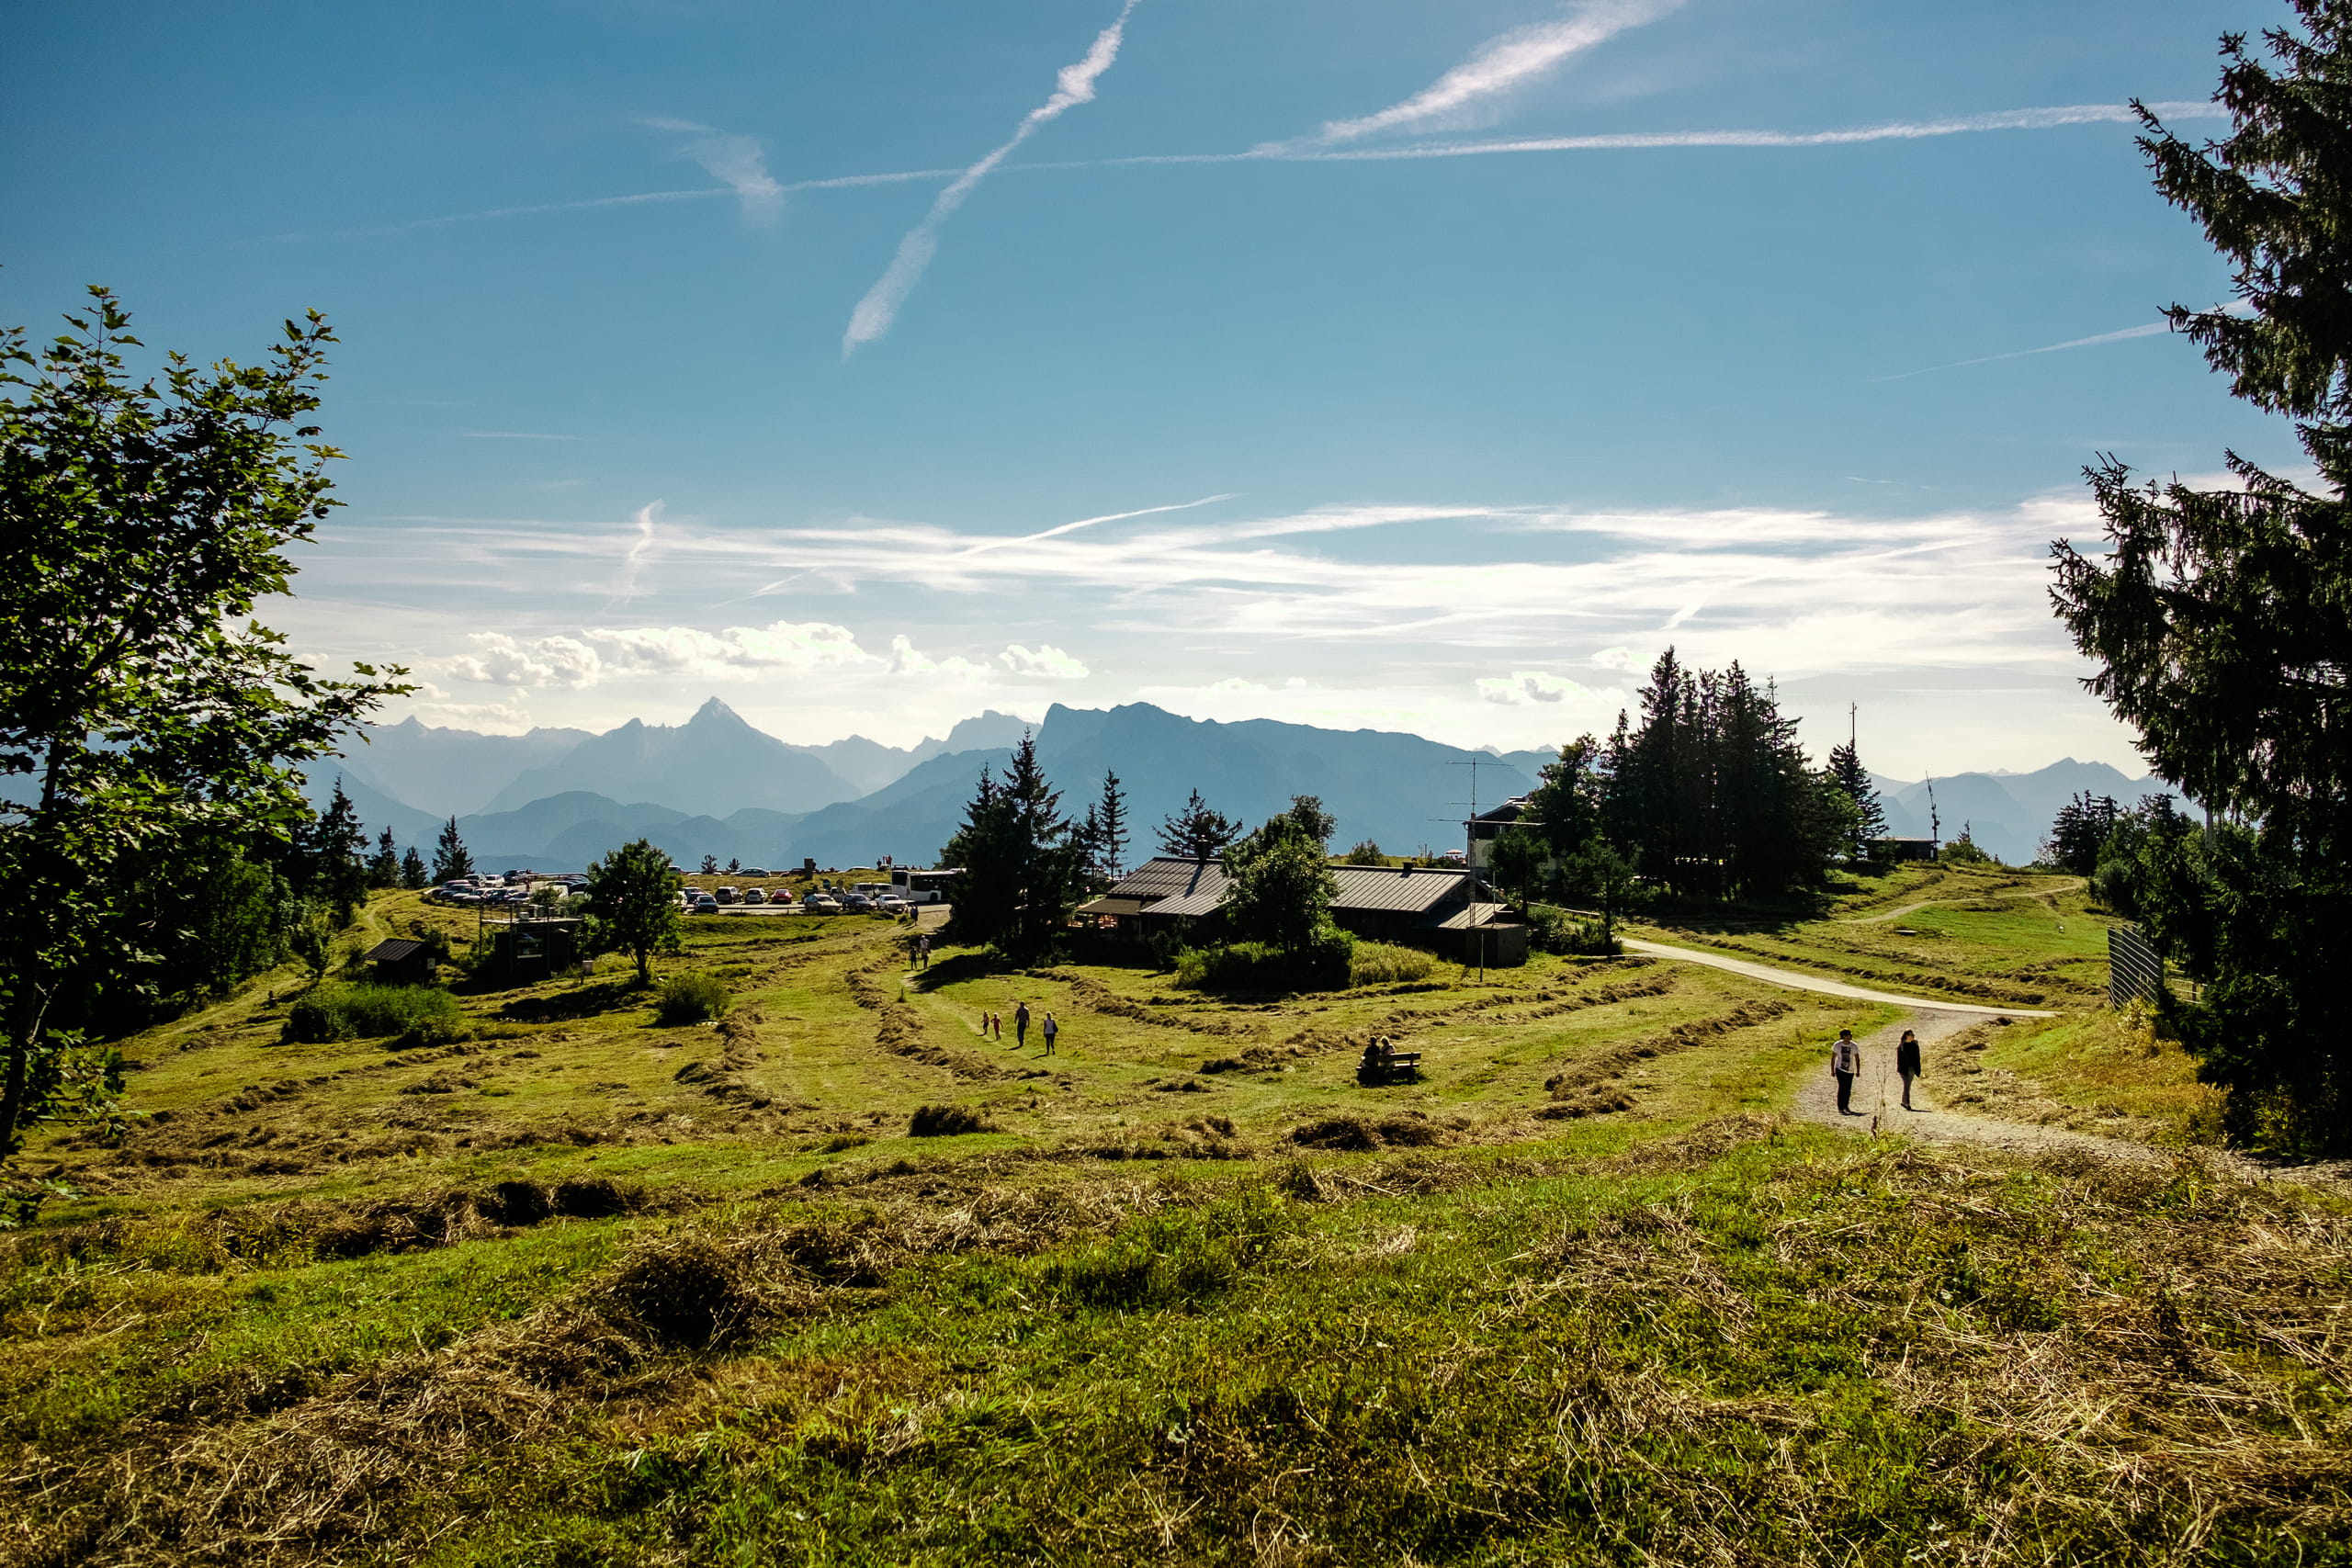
[1846, 1066]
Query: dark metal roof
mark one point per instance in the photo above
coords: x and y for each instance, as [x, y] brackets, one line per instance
[1168, 876]
[1408, 888]
[394, 950]
[1111, 904]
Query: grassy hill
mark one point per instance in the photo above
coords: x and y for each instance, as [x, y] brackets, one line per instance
[584, 1288]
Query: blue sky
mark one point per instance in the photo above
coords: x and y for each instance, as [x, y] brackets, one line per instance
[1412, 365]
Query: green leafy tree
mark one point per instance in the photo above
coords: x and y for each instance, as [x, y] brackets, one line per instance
[384, 865]
[632, 897]
[1516, 860]
[1566, 805]
[451, 859]
[140, 704]
[1279, 887]
[1197, 832]
[2221, 620]
[1600, 872]
[1363, 853]
[413, 872]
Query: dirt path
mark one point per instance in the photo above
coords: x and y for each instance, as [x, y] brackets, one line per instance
[1901, 910]
[1797, 980]
[1878, 1098]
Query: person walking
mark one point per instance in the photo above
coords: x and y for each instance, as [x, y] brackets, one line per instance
[1846, 1066]
[923, 949]
[1906, 1062]
[1050, 1029]
[1021, 1026]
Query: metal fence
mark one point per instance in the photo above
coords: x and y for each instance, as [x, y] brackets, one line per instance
[2134, 967]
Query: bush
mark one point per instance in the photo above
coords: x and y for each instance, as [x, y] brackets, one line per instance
[1263, 967]
[1551, 928]
[358, 1012]
[691, 998]
[1381, 963]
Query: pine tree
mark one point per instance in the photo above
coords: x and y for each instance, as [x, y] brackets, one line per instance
[384, 865]
[1024, 865]
[2080, 831]
[413, 874]
[1110, 828]
[450, 859]
[326, 860]
[1197, 832]
[2221, 620]
[1853, 780]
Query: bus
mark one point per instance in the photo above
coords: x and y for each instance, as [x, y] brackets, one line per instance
[924, 886]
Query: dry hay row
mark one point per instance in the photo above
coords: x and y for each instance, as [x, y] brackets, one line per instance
[321, 1472]
[1981, 989]
[722, 1078]
[898, 1027]
[1590, 1088]
[1095, 996]
[1407, 1022]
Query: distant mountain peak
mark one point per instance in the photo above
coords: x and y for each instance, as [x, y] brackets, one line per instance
[716, 712]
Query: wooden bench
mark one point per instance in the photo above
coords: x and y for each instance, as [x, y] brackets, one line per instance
[1390, 1067]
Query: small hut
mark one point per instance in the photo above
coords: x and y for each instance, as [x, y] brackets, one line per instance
[401, 962]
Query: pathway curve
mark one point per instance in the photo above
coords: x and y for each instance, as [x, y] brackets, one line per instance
[1797, 980]
[1901, 910]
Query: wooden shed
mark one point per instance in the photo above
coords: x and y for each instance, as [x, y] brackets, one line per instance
[400, 962]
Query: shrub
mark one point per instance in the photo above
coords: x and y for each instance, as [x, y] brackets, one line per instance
[1323, 964]
[691, 998]
[356, 1013]
[1551, 928]
[1381, 963]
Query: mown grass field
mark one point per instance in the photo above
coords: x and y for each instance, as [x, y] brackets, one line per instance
[587, 1289]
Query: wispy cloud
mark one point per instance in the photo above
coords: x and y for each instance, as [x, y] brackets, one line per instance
[1073, 86]
[1054, 533]
[1501, 67]
[633, 559]
[738, 160]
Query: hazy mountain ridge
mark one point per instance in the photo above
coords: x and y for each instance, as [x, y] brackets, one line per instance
[716, 785]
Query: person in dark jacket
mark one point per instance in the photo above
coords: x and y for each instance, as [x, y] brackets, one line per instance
[1906, 1062]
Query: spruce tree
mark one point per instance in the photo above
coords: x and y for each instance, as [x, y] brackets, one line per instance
[1110, 830]
[2221, 620]
[327, 864]
[414, 874]
[1197, 832]
[1025, 866]
[384, 865]
[450, 859]
[1853, 780]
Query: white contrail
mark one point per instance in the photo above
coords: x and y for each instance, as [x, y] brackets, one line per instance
[633, 561]
[1503, 63]
[986, 545]
[1073, 86]
[2150, 330]
[738, 160]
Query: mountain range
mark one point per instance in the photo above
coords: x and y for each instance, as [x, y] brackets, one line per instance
[555, 799]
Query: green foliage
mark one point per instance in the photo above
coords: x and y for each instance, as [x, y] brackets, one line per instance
[323, 864]
[139, 704]
[309, 936]
[414, 876]
[1963, 851]
[1604, 875]
[1853, 780]
[1553, 930]
[1323, 962]
[1025, 864]
[366, 1011]
[2080, 831]
[1363, 853]
[632, 897]
[1103, 834]
[2221, 620]
[451, 859]
[695, 997]
[384, 865]
[1279, 887]
[1565, 806]
[1516, 860]
[1712, 793]
[1176, 1257]
[1197, 832]
[1386, 963]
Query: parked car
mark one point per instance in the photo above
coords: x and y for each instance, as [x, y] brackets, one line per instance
[856, 903]
[755, 871]
[729, 896]
[891, 904]
[822, 904]
[755, 896]
[706, 905]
